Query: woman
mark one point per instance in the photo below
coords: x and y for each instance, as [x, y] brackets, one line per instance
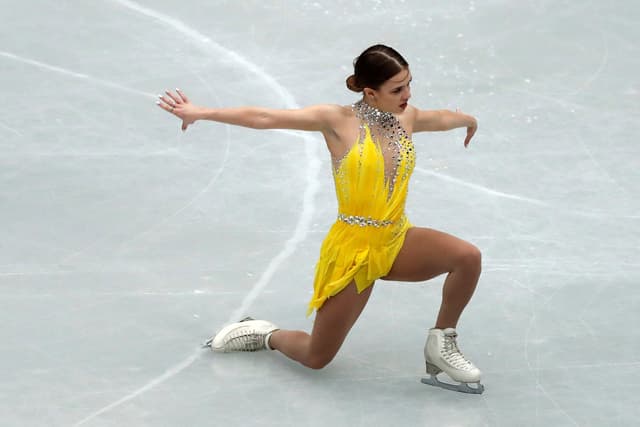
[373, 158]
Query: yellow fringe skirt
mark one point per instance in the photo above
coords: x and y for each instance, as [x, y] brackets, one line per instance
[354, 253]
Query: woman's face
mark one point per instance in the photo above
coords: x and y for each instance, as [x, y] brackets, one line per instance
[393, 95]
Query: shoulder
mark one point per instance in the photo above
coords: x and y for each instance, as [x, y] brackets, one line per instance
[424, 120]
[410, 113]
[326, 112]
[333, 115]
[408, 118]
[334, 111]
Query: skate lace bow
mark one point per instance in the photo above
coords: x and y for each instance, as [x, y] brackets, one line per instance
[452, 354]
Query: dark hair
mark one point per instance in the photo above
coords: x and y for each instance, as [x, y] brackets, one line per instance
[375, 66]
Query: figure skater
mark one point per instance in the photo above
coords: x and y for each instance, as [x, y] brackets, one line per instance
[372, 157]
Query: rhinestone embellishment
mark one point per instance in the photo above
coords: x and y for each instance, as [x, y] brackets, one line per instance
[391, 137]
[362, 221]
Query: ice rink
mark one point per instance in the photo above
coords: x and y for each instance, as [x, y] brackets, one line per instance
[125, 243]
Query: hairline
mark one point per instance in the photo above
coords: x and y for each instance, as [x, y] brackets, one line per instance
[408, 75]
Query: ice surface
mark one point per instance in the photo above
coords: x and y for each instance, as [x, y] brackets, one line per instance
[125, 243]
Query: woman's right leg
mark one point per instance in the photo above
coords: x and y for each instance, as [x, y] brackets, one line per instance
[331, 326]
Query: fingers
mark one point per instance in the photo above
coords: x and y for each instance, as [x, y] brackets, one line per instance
[166, 104]
[470, 132]
[182, 96]
[175, 103]
[170, 101]
[175, 98]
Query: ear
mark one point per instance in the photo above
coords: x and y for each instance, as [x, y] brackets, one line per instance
[370, 93]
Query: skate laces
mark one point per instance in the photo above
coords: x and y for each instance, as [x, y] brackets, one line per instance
[452, 354]
[245, 339]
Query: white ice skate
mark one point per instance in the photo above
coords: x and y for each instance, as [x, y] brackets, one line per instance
[441, 353]
[245, 335]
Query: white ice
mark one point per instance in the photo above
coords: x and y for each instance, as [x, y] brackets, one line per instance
[125, 243]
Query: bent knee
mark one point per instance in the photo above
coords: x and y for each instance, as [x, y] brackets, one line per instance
[470, 257]
[318, 362]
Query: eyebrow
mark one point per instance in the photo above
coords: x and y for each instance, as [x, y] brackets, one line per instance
[398, 87]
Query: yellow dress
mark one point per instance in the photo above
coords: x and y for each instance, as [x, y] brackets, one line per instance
[371, 183]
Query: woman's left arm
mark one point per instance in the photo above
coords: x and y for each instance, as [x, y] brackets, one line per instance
[443, 120]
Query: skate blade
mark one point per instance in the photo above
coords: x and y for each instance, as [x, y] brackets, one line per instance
[207, 343]
[462, 387]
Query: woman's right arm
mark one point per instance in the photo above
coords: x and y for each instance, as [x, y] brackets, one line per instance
[313, 118]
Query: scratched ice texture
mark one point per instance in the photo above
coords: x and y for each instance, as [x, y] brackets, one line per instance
[124, 243]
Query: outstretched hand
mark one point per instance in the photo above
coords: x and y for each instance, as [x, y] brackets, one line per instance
[179, 105]
[471, 130]
[472, 127]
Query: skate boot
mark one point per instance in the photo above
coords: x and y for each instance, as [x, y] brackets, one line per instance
[441, 353]
[245, 335]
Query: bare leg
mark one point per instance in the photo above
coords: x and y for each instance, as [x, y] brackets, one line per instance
[332, 324]
[428, 253]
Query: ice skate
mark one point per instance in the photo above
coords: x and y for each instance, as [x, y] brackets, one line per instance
[441, 354]
[245, 335]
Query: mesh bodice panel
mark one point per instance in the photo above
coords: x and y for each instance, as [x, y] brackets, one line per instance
[372, 177]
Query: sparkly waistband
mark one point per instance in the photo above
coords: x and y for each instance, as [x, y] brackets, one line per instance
[363, 221]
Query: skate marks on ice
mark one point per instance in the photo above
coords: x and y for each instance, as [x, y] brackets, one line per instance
[214, 178]
[481, 188]
[171, 372]
[529, 200]
[10, 129]
[71, 73]
[68, 73]
[536, 373]
[303, 223]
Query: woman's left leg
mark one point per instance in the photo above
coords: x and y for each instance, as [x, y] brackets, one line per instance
[428, 253]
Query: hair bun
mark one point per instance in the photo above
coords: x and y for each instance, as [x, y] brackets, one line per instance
[351, 84]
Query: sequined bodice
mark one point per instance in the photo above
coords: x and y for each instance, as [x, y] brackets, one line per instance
[372, 178]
